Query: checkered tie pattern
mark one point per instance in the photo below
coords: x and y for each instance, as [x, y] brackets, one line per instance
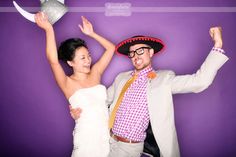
[119, 100]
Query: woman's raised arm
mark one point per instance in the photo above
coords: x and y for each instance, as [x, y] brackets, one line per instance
[51, 49]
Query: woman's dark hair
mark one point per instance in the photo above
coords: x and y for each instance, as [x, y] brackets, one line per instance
[66, 51]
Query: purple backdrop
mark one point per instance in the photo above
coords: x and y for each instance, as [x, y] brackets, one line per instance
[34, 115]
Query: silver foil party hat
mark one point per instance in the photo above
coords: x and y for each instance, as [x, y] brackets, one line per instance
[54, 9]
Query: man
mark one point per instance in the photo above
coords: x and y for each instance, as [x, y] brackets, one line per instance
[142, 98]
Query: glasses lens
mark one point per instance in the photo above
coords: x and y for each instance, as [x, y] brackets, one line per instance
[131, 54]
[140, 51]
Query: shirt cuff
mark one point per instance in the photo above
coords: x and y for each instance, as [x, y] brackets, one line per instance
[218, 50]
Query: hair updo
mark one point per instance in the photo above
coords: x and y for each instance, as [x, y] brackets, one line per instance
[66, 51]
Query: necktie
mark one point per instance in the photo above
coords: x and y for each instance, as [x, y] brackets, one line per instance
[119, 100]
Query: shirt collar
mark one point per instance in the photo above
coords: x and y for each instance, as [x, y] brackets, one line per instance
[143, 73]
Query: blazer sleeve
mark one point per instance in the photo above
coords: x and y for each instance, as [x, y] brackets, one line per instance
[110, 94]
[200, 80]
[111, 91]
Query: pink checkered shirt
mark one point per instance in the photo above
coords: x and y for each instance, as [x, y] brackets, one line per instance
[132, 116]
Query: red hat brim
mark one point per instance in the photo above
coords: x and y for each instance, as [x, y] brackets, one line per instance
[155, 43]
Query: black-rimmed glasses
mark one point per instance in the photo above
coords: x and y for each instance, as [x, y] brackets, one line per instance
[138, 51]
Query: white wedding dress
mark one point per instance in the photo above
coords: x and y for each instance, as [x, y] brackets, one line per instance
[91, 133]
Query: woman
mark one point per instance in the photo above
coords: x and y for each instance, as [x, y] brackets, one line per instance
[82, 88]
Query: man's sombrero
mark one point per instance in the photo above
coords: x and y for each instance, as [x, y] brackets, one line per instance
[155, 43]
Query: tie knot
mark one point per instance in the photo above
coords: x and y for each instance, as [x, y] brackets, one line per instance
[133, 78]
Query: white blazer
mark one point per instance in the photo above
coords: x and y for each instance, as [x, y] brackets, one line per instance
[159, 98]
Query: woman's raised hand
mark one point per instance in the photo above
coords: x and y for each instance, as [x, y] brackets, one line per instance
[87, 27]
[41, 20]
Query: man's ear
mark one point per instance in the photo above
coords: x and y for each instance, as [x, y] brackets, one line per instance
[69, 63]
[151, 52]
